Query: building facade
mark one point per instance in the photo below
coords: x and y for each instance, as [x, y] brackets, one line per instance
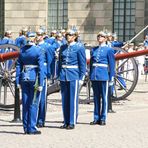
[125, 17]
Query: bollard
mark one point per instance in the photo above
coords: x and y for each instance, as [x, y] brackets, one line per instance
[17, 117]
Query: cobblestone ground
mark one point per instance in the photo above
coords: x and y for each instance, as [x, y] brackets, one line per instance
[126, 128]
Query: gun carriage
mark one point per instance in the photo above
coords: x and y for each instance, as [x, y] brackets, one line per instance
[126, 69]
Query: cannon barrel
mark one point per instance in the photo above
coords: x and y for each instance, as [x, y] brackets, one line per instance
[15, 54]
[9, 55]
[128, 55]
[131, 54]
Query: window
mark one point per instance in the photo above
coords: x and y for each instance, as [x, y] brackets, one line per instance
[1, 18]
[124, 19]
[57, 14]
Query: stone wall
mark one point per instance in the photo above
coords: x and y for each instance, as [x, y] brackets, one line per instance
[22, 13]
[90, 16]
[146, 15]
[2, 17]
[139, 22]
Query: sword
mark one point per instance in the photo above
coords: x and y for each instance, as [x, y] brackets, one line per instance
[135, 36]
[35, 90]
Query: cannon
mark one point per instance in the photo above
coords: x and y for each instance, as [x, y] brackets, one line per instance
[123, 70]
[9, 55]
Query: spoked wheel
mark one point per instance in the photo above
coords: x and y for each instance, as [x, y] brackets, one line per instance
[126, 77]
[7, 77]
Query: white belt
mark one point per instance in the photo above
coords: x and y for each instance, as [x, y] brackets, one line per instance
[30, 66]
[99, 65]
[69, 66]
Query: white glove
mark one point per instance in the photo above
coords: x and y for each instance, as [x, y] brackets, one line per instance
[111, 83]
[56, 55]
[40, 88]
[18, 86]
[48, 82]
[81, 82]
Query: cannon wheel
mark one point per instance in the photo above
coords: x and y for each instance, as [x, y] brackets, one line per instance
[7, 78]
[125, 80]
[126, 77]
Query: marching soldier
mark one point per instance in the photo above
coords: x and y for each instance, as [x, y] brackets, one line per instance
[47, 52]
[72, 68]
[102, 65]
[29, 75]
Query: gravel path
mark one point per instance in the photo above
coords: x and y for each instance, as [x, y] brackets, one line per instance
[127, 128]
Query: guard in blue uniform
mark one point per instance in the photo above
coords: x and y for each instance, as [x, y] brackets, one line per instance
[72, 68]
[63, 32]
[21, 40]
[146, 40]
[48, 56]
[56, 45]
[102, 71]
[118, 44]
[51, 40]
[7, 38]
[29, 75]
[52, 37]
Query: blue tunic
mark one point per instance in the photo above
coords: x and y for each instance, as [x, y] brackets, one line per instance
[7, 40]
[102, 70]
[29, 73]
[72, 68]
[73, 55]
[117, 44]
[104, 57]
[48, 56]
[146, 43]
[20, 41]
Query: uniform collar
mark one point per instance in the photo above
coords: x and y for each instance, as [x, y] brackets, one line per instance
[71, 44]
[41, 42]
[6, 37]
[103, 45]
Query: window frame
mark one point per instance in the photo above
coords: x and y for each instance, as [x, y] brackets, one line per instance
[127, 13]
[57, 14]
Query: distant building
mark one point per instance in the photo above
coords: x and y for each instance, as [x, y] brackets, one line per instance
[126, 17]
